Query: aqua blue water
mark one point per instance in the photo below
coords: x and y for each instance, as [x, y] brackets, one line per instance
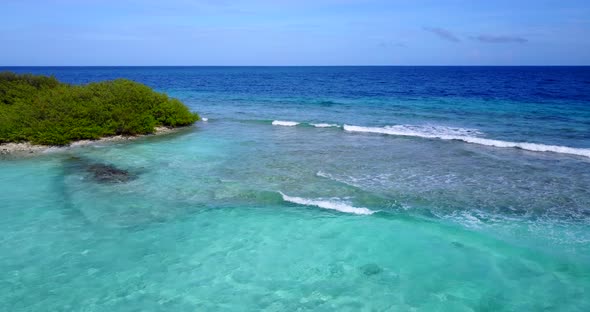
[316, 189]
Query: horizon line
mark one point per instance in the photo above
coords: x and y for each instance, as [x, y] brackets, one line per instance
[536, 65]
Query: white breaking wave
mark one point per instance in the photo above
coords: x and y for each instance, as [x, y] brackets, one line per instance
[326, 204]
[324, 125]
[418, 131]
[284, 123]
[461, 134]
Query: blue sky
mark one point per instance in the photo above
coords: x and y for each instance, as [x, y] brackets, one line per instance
[290, 32]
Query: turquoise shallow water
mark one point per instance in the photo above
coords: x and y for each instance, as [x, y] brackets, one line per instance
[238, 214]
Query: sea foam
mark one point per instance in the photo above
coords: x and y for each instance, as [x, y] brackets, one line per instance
[465, 135]
[284, 123]
[324, 125]
[327, 204]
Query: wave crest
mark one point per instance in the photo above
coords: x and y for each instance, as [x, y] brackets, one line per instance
[324, 125]
[326, 204]
[284, 123]
[417, 131]
[447, 133]
[465, 135]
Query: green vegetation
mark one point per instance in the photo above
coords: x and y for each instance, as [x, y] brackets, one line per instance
[42, 110]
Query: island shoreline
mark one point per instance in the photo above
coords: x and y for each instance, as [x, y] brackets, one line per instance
[24, 149]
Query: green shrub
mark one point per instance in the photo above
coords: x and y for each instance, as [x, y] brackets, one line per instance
[42, 110]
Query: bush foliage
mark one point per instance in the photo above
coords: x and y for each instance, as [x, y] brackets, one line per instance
[42, 110]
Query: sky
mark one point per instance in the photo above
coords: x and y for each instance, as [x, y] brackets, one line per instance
[294, 32]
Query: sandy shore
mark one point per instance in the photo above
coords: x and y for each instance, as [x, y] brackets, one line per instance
[28, 149]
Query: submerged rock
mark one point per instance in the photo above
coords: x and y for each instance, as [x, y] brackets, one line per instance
[371, 269]
[104, 173]
[457, 244]
[99, 172]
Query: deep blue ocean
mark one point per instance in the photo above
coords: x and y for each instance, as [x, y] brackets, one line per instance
[316, 189]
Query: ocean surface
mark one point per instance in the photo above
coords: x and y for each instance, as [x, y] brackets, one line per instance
[316, 189]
